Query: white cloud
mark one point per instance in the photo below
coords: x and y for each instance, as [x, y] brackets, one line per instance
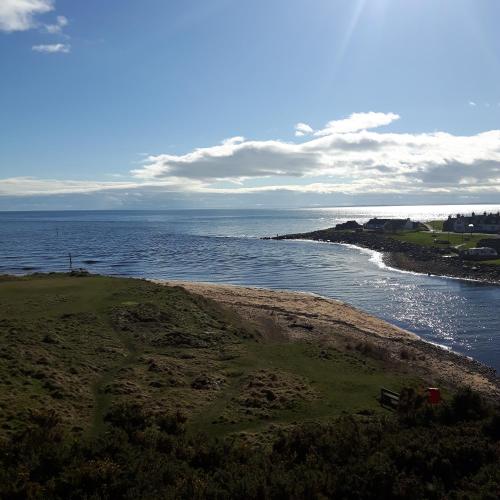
[356, 122]
[52, 48]
[353, 123]
[56, 29]
[356, 161]
[31, 186]
[302, 129]
[349, 159]
[472, 104]
[19, 15]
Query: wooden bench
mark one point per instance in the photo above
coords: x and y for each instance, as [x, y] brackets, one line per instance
[389, 399]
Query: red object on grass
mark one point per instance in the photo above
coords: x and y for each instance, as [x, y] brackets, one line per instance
[434, 395]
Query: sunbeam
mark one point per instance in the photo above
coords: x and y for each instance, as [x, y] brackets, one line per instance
[351, 28]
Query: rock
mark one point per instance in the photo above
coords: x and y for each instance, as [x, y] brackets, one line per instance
[206, 382]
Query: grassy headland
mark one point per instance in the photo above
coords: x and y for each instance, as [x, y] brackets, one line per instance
[422, 251]
[85, 344]
[122, 388]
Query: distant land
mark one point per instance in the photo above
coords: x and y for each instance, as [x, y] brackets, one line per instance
[433, 247]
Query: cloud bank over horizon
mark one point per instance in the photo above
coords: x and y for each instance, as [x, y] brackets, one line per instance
[348, 157]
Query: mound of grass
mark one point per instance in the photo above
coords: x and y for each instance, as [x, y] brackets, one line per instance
[288, 382]
[82, 345]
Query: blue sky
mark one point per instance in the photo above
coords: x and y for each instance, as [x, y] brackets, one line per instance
[106, 104]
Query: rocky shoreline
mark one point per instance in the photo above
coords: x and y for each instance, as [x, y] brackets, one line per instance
[406, 256]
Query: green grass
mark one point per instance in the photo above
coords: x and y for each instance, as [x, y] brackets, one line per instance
[345, 382]
[427, 238]
[494, 262]
[80, 345]
[60, 344]
[301, 418]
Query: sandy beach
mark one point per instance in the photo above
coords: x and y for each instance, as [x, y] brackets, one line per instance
[294, 315]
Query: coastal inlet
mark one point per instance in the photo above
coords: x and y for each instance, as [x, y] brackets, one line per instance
[224, 246]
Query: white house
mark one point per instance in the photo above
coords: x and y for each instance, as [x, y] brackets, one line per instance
[475, 223]
[480, 253]
[376, 224]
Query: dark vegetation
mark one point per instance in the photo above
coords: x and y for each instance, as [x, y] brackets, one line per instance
[452, 451]
[119, 388]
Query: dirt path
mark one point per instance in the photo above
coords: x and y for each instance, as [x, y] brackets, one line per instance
[102, 399]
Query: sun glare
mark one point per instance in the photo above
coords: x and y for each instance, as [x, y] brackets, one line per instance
[351, 27]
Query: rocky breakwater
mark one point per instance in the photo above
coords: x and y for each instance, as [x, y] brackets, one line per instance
[406, 256]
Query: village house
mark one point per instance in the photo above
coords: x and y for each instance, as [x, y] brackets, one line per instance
[474, 223]
[390, 225]
[349, 225]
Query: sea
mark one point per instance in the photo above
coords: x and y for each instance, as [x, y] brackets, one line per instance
[225, 246]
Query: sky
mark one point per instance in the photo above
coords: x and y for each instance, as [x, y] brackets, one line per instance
[237, 104]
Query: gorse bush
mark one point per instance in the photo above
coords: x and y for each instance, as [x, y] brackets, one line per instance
[449, 451]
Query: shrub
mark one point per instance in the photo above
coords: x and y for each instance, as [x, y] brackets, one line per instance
[421, 452]
[129, 417]
[468, 405]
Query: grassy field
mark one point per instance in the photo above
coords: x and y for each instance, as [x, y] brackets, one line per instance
[428, 238]
[82, 345]
[295, 382]
[494, 262]
[120, 389]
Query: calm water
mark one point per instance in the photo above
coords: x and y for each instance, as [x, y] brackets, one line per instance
[223, 246]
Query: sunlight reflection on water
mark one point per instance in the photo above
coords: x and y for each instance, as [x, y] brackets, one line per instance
[199, 245]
